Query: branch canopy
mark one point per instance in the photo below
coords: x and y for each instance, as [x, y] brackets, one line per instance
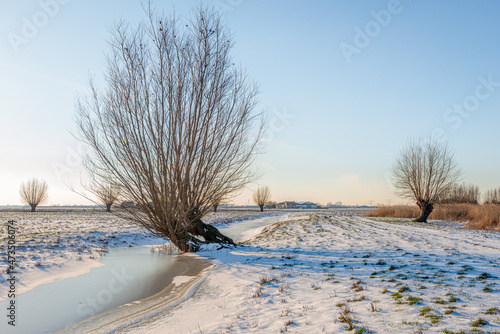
[34, 192]
[175, 128]
[424, 170]
[262, 195]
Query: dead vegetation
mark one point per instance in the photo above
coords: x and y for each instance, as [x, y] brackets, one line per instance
[484, 216]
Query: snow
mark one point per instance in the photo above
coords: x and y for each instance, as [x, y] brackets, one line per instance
[251, 233]
[306, 273]
[301, 276]
[56, 245]
[178, 280]
[52, 246]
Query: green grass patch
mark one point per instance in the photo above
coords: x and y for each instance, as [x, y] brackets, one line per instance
[424, 310]
[484, 276]
[492, 310]
[361, 330]
[479, 323]
[403, 289]
[397, 296]
[414, 300]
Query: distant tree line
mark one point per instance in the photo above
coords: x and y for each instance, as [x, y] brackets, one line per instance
[492, 196]
[459, 194]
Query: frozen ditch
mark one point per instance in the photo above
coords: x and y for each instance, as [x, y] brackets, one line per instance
[132, 283]
[128, 274]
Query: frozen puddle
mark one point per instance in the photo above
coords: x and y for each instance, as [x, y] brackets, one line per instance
[128, 275]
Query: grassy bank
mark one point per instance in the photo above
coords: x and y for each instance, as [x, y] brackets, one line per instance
[485, 216]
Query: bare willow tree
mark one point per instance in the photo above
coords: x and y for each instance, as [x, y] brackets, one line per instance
[423, 171]
[261, 196]
[34, 192]
[175, 128]
[216, 203]
[107, 194]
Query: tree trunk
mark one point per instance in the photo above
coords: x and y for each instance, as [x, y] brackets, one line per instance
[261, 208]
[215, 207]
[426, 208]
[186, 241]
[108, 207]
[209, 233]
[33, 207]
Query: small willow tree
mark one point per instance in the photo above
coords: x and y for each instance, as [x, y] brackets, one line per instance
[216, 203]
[107, 194]
[261, 196]
[175, 127]
[34, 192]
[423, 171]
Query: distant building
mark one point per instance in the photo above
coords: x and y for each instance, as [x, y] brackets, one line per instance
[128, 205]
[286, 205]
[306, 205]
[295, 205]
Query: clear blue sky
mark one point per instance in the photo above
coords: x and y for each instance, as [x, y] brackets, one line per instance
[355, 88]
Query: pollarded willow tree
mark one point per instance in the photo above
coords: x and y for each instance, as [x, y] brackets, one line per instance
[107, 194]
[34, 192]
[261, 196]
[175, 127]
[423, 171]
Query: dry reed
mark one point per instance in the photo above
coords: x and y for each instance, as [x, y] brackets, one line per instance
[483, 217]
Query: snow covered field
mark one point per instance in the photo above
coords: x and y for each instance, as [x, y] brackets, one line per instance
[337, 272]
[57, 245]
[326, 272]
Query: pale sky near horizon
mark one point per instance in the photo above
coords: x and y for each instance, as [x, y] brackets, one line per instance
[346, 84]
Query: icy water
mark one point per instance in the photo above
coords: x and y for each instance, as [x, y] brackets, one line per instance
[128, 274]
[237, 231]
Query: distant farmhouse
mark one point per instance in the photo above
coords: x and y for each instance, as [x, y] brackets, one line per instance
[296, 205]
[128, 205]
[286, 205]
[306, 205]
